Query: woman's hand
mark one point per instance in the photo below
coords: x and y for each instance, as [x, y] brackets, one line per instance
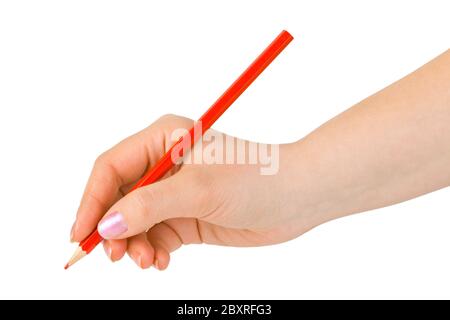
[391, 147]
[224, 204]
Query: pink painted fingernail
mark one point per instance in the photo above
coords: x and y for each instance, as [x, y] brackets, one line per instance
[112, 225]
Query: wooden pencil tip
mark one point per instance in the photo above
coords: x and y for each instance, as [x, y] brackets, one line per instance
[79, 253]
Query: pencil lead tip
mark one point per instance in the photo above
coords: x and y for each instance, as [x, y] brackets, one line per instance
[66, 266]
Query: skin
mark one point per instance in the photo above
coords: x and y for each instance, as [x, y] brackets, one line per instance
[391, 147]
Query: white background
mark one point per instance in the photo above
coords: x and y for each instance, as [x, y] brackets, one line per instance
[78, 76]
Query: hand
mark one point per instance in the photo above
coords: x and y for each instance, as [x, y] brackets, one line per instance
[390, 147]
[233, 205]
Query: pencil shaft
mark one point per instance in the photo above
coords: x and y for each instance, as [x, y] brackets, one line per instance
[220, 106]
[205, 122]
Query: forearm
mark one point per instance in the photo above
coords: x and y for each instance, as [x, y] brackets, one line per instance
[393, 146]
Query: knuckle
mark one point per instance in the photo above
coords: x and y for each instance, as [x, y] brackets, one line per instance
[104, 171]
[167, 117]
[101, 160]
[174, 121]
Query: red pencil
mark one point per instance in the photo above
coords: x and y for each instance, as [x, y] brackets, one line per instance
[206, 121]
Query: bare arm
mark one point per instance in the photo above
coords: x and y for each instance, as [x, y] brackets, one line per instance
[391, 147]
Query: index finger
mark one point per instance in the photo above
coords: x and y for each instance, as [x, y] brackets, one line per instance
[122, 166]
[117, 167]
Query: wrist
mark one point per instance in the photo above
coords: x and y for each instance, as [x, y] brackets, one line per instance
[306, 189]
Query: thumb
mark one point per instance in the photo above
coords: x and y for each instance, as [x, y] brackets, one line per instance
[180, 195]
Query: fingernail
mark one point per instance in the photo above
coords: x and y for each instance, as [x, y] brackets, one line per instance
[137, 259]
[72, 231]
[156, 263]
[108, 251]
[112, 225]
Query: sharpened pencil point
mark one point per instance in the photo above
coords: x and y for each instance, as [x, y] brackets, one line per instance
[79, 253]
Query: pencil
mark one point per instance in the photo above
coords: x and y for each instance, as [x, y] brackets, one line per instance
[205, 122]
